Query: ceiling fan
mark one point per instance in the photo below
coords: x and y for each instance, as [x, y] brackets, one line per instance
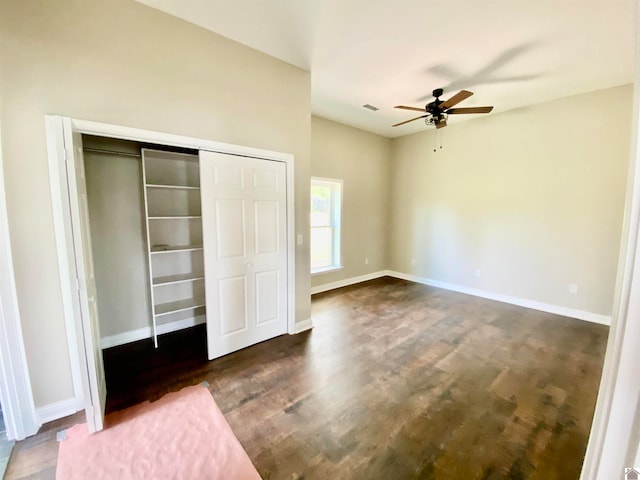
[436, 112]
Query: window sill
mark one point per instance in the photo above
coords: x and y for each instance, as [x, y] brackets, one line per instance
[320, 271]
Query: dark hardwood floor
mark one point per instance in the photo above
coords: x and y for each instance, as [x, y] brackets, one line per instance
[396, 381]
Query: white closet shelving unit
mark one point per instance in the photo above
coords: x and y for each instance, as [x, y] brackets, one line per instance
[174, 239]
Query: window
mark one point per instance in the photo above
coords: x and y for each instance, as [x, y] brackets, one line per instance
[326, 203]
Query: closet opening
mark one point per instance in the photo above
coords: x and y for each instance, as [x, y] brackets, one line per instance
[146, 241]
[162, 243]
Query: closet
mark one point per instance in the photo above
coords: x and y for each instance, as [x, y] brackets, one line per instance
[174, 238]
[147, 225]
[146, 236]
[182, 237]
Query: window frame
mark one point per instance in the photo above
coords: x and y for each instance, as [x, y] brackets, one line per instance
[336, 186]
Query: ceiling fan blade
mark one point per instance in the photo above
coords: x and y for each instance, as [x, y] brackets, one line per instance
[442, 123]
[404, 107]
[407, 121]
[457, 98]
[455, 111]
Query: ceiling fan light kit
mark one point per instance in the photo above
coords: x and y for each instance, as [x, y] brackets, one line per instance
[437, 112]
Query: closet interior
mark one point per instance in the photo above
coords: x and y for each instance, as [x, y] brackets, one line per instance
[146, 232]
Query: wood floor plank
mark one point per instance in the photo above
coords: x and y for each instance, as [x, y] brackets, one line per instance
[395, 381]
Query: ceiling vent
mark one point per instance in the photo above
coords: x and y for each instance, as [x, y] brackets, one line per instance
[371, 107]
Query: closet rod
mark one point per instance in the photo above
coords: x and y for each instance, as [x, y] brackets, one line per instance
[112, 152]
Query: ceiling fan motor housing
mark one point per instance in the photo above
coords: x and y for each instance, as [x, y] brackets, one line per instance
[434, 107]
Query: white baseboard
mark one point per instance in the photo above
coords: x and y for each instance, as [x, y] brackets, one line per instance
[180, 324]
[347, 281]
[125, 337]
[145, 332]
[303, 326]
[521, 302]
[54, 411]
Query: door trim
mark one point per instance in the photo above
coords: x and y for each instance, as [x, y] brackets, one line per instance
[55, 130]
[614, 440]
[61, 210]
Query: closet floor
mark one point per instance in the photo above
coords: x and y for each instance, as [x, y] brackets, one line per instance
[396, 380]
[137, 371]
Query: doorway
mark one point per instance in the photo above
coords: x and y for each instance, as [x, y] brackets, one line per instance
[63, 135]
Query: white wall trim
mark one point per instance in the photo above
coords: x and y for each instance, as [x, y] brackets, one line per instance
[303, 326]
[54, 411]
[123, 338]
[143, 333]
[325, 287]
[162, 138]
[16, 395]
[521, 302]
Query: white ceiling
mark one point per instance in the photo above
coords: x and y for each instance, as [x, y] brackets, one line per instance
[510, 53]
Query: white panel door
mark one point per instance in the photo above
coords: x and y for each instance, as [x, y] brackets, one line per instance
[245, 250]
[95, 390]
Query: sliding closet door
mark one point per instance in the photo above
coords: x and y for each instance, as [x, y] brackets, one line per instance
[245, 250]
[92, 372]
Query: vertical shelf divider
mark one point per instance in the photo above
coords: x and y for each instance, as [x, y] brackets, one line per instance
[154, 330]
[173, 219]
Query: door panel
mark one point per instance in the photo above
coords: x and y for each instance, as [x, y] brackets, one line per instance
[265, 180]
[93, 377]
[266, 226]
[230, 228]
[267, 296]
[232, 308]
[228, 176]
[244, 233]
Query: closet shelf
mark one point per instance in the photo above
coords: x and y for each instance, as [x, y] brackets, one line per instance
[172, 279]
[172, 187]
[176, 248]
[173, 307]
[175, 217]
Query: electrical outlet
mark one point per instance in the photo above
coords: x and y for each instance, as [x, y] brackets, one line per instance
[299, 239]
[366, 261]
[478, 273]
[413, 261]
[573, 288]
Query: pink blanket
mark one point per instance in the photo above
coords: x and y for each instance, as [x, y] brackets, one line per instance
[181, 436]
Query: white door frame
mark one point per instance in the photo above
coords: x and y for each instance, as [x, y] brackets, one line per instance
[62, 221]
[16, 395]
[614, 442]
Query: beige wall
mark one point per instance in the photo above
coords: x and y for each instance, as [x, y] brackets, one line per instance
[533, 198]
[123, 63]
[362, 161]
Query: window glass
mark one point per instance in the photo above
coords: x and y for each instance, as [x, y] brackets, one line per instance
[326, 204]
